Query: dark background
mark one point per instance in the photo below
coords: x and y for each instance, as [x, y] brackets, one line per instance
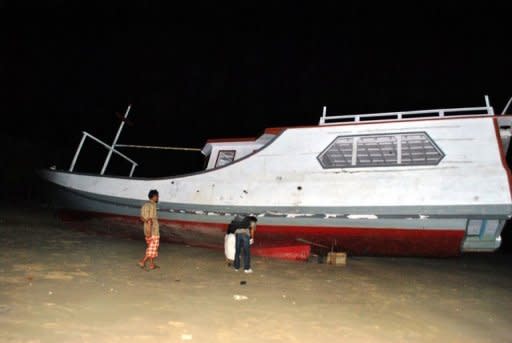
[198, 72]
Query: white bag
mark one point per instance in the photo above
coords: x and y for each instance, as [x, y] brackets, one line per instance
[230, 246]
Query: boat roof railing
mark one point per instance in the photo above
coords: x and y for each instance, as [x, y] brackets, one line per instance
[108, 147]
[401, 115]
[111, 148]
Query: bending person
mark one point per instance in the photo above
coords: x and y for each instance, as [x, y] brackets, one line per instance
[244, 238]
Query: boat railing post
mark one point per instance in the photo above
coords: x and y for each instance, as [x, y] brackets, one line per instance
[109, 155]
[133, 169]
[490, 110]
[75, 158]
[324, 114]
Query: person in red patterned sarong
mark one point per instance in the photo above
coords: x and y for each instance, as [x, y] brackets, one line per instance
[148, 215]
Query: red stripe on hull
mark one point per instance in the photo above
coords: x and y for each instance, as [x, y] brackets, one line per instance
[376, 241]
[286, 252]
[285, 241]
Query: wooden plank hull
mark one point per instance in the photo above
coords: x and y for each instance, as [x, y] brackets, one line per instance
[284, 241]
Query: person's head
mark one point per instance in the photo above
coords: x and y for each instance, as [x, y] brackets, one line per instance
[153, 195]
[253, 220]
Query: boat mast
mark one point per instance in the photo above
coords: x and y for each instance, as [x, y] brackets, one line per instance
[105, 164]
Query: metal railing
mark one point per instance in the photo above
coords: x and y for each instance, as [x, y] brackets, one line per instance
[334, 119]
[110, 148]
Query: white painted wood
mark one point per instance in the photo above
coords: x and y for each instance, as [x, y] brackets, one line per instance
[471, 173]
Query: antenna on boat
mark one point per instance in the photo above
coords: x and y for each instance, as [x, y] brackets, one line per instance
[506, 106]
[109, 155]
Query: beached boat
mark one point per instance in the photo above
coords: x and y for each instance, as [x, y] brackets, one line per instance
[417, 183]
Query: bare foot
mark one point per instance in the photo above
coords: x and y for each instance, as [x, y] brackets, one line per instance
[153, 266]
[142, 265]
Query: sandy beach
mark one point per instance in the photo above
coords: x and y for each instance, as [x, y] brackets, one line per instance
[60, 285]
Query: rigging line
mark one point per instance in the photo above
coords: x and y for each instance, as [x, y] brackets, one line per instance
[156, 147]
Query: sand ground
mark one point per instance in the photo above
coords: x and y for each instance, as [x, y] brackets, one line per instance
[60, 285]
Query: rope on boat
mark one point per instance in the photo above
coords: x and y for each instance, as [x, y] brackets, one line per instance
[156, 147]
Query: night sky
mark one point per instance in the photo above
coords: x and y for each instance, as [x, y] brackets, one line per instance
[208, 72]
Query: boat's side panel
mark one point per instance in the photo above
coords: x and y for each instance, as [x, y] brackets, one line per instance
[280, 230]
[277, 236]
[287, 173]
[63, 197]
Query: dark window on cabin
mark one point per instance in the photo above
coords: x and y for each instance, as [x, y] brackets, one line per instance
[373, 151]
[225, 157]
[338, 154]
[418, 149]
[386, 150]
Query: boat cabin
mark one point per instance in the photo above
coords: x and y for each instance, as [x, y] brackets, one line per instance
[221, 152]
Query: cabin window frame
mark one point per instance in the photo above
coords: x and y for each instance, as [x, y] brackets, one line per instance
[400, 148]
[218, 157]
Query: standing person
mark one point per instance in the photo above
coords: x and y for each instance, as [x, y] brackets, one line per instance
[244, 239]
[148, 215]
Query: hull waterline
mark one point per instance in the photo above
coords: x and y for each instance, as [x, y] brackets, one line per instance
[277, 236]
